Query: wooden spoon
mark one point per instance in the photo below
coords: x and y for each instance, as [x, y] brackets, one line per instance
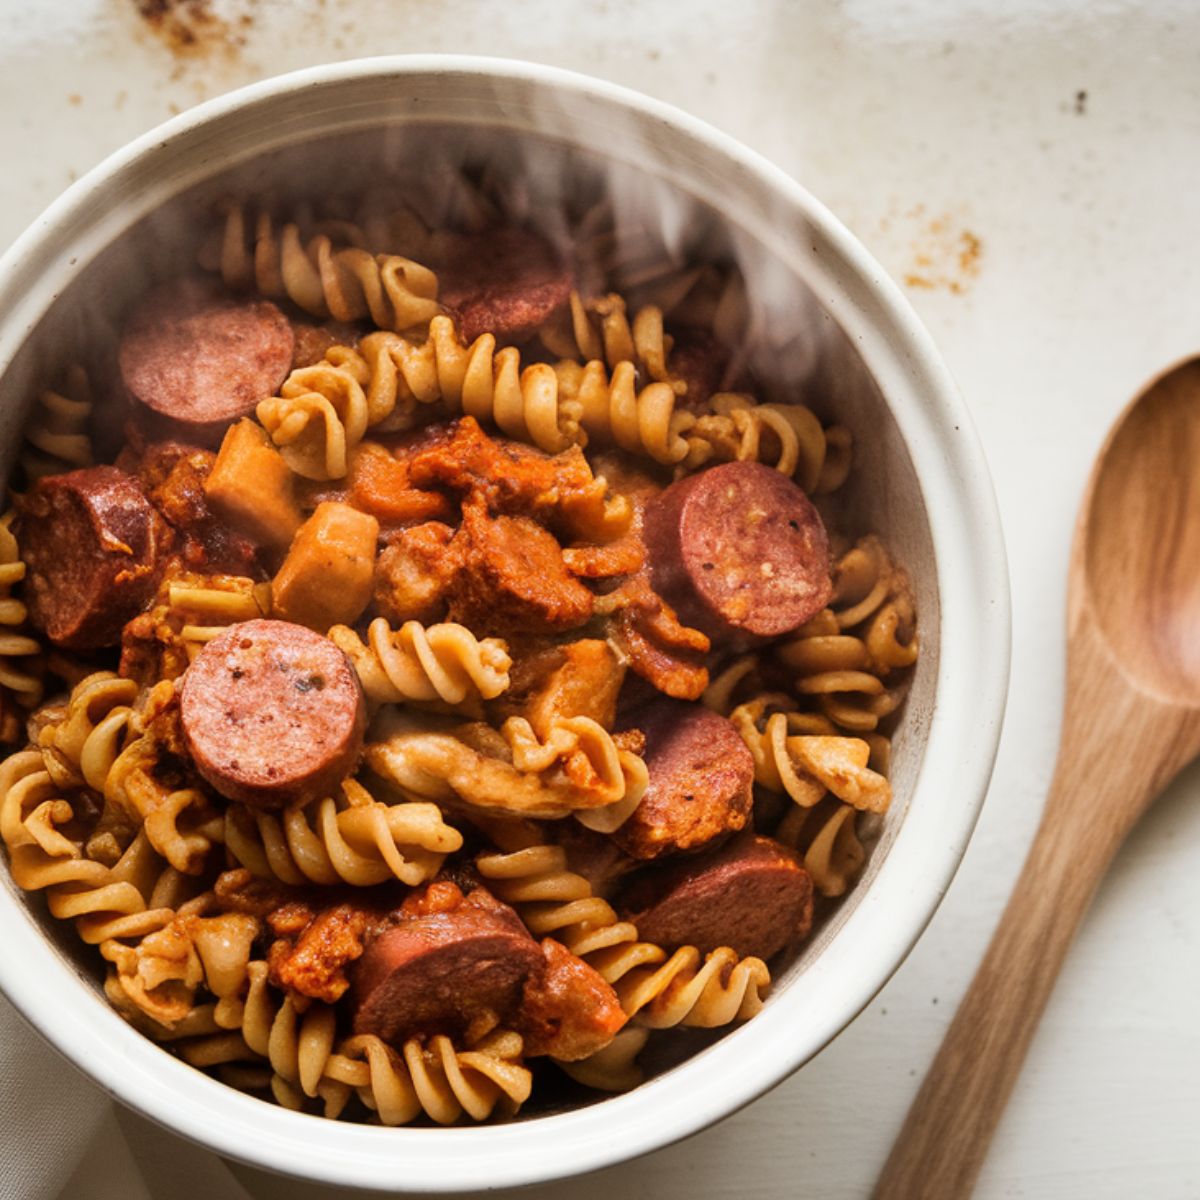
[1131, 722]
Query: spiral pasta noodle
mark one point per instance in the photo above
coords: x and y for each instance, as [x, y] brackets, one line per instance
[347, 283]
[137, 895]
[577, 766]
[161, 972]
[554, 901]
[826, 837]
[362, 842]
[477, 380]
[787, 437]
[613, 409]
[613, 1068]
[433, 1078]
[443, 662]
[320, 414]
[689, 989]
[56, 436]
[82, 741]
[601, 331]
[20, 674]
[179, 822]
[846, 655]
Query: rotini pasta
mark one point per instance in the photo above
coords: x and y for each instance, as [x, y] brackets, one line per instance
[20, 671]
[807, 765]
[444, 662]
[576, 767]
[360, 841]
[57, 438]
[826, 836]
[81, 745]
[601, 331]
[137, 895]
[846, 656]
[347, 283]
[787, 437]
[613, 409]
[431, 1078]
[443, 375]
[320, 415]
[614, 1068]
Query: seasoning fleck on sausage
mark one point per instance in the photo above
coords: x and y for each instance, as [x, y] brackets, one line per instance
[701, 781]
[272, 714]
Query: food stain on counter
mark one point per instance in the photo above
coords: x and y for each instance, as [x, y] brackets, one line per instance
[944, 255]
[198, 28]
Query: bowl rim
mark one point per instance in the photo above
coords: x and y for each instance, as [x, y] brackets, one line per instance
[975, 615]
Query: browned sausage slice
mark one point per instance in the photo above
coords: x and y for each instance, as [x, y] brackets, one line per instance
[197, 361]
[92, 544]
[438, 972]
[739, 552]
[752, 895]
[503, 281]
[701, 781]
[272, 713]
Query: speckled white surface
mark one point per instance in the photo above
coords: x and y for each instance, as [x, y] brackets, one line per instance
[1062, 137]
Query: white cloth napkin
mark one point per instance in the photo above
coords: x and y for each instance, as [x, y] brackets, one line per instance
[62, 1137]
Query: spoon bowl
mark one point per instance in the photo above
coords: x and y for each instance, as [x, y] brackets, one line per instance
[1144, 517]
[1131, 722]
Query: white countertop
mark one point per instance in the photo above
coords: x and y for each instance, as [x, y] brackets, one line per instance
[1065, 138]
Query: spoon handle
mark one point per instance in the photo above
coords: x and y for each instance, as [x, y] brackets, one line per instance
[945, 1137]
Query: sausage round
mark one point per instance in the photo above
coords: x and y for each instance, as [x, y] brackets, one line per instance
[506, 282]
[701, 781]
[196, 361]
[752, 895]
[272, 713]
[739, 552]
[436, 973]
[92, 544]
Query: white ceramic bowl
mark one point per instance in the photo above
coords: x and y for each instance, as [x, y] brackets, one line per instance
[921, 481]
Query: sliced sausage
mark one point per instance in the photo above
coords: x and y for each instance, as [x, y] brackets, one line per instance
[503, 281]
[701, 781]
[272, 713]
[752, 895]
[739, 552]
[567, 1009]
[93, 546]
[439, 971]
[195, 361]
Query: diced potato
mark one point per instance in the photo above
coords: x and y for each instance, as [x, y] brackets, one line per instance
[327, 575]
[251, 487]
